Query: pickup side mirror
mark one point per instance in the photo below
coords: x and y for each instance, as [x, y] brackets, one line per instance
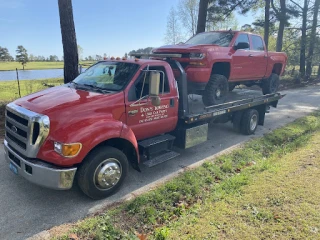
[241, 45]
[154, 83]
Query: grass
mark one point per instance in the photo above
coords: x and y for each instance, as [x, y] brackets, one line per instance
[264, 190]
[9, 89]
[7, 66]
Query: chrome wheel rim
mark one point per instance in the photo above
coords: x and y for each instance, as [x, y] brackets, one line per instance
[107, 174]
[218, 93]
[253, 122]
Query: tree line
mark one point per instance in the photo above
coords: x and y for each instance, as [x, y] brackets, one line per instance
[290, 26]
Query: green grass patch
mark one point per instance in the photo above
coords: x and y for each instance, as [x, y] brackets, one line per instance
[207, 202]
[9, 89]
[7, 66]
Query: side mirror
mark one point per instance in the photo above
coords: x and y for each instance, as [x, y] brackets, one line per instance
[154, 83]
[241, 45]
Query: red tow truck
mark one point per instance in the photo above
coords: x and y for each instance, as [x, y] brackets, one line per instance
[216, 62]
[118, 113]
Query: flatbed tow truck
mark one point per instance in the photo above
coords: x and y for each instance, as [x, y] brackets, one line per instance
[119, 112]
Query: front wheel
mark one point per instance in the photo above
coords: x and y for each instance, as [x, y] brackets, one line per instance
[102, 172]
[271, 84]
[216, 90]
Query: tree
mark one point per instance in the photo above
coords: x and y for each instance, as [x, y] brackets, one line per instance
[173, 34]
[53, 58]
[80, 52]
[4, 54]
[99, 57]
[229, 23]
[69, 41]
[202, 15]
[312, 37]
[266, 22]
[32, 57]
[188, 13]
[22, 55]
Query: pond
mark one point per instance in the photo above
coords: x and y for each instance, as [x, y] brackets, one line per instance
[32, 74]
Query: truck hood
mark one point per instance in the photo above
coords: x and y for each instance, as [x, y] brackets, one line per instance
[61, 101]
[182, 48]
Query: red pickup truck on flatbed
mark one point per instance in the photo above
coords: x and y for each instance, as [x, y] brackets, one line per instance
[117, 113]
[216, 62]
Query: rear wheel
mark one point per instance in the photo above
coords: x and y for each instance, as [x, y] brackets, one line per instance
[271, 84]
[102, 172]
[216, 90]
[249, 121]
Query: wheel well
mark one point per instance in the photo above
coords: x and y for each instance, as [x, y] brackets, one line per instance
[277, 68]
[123, 145]
[222, 68]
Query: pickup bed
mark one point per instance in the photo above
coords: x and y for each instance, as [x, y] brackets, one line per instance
[215, 62]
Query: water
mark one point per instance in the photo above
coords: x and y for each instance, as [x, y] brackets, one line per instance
[31, 74]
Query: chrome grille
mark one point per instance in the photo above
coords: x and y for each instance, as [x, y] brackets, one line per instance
[25, 130]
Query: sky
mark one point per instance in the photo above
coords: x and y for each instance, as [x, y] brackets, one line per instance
[102, 26]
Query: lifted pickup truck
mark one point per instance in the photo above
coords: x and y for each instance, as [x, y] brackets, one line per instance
[117, 113]
[215, 62]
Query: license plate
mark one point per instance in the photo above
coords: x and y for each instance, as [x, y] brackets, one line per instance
[13, 168]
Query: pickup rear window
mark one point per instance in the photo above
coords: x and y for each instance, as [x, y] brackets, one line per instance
[221, 39]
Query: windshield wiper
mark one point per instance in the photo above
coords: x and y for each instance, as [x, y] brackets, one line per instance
[98, 89]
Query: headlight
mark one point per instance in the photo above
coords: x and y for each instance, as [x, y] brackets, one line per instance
[197, 55]
[46, 121]
[67, 150]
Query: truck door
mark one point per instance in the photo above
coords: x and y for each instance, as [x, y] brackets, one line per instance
[142, 117]
[259, 57]
[241, 64]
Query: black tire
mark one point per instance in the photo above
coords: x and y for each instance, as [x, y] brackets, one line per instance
[216, 90]
[249, 121]
[271, 84]
[231, 86]
[110, 164]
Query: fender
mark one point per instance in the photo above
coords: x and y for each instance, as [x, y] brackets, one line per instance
[128, 134]
[90, 132]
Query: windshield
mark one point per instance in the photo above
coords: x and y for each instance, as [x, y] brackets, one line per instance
[222, 39]
[112, 76]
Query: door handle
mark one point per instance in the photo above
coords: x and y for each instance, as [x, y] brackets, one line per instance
[250, 55]
[133, 112]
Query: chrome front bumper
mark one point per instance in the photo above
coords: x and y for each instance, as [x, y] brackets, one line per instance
[41, 173]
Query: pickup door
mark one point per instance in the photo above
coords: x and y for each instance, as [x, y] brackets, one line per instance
[142, 117]
[258, 57]
[249, 64]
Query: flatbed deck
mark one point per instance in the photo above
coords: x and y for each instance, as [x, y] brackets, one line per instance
[238, 99]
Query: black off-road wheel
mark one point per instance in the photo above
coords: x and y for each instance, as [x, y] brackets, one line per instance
[216, 90]
[249, 122]
[271, 84]
[102, 172]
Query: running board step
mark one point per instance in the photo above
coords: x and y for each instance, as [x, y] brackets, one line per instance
[152, 147]
[161, 158]
[156, 140]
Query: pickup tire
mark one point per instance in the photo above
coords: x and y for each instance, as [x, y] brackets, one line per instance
[216, 90]
[102, 172]
[271, 84]
[249, 121]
